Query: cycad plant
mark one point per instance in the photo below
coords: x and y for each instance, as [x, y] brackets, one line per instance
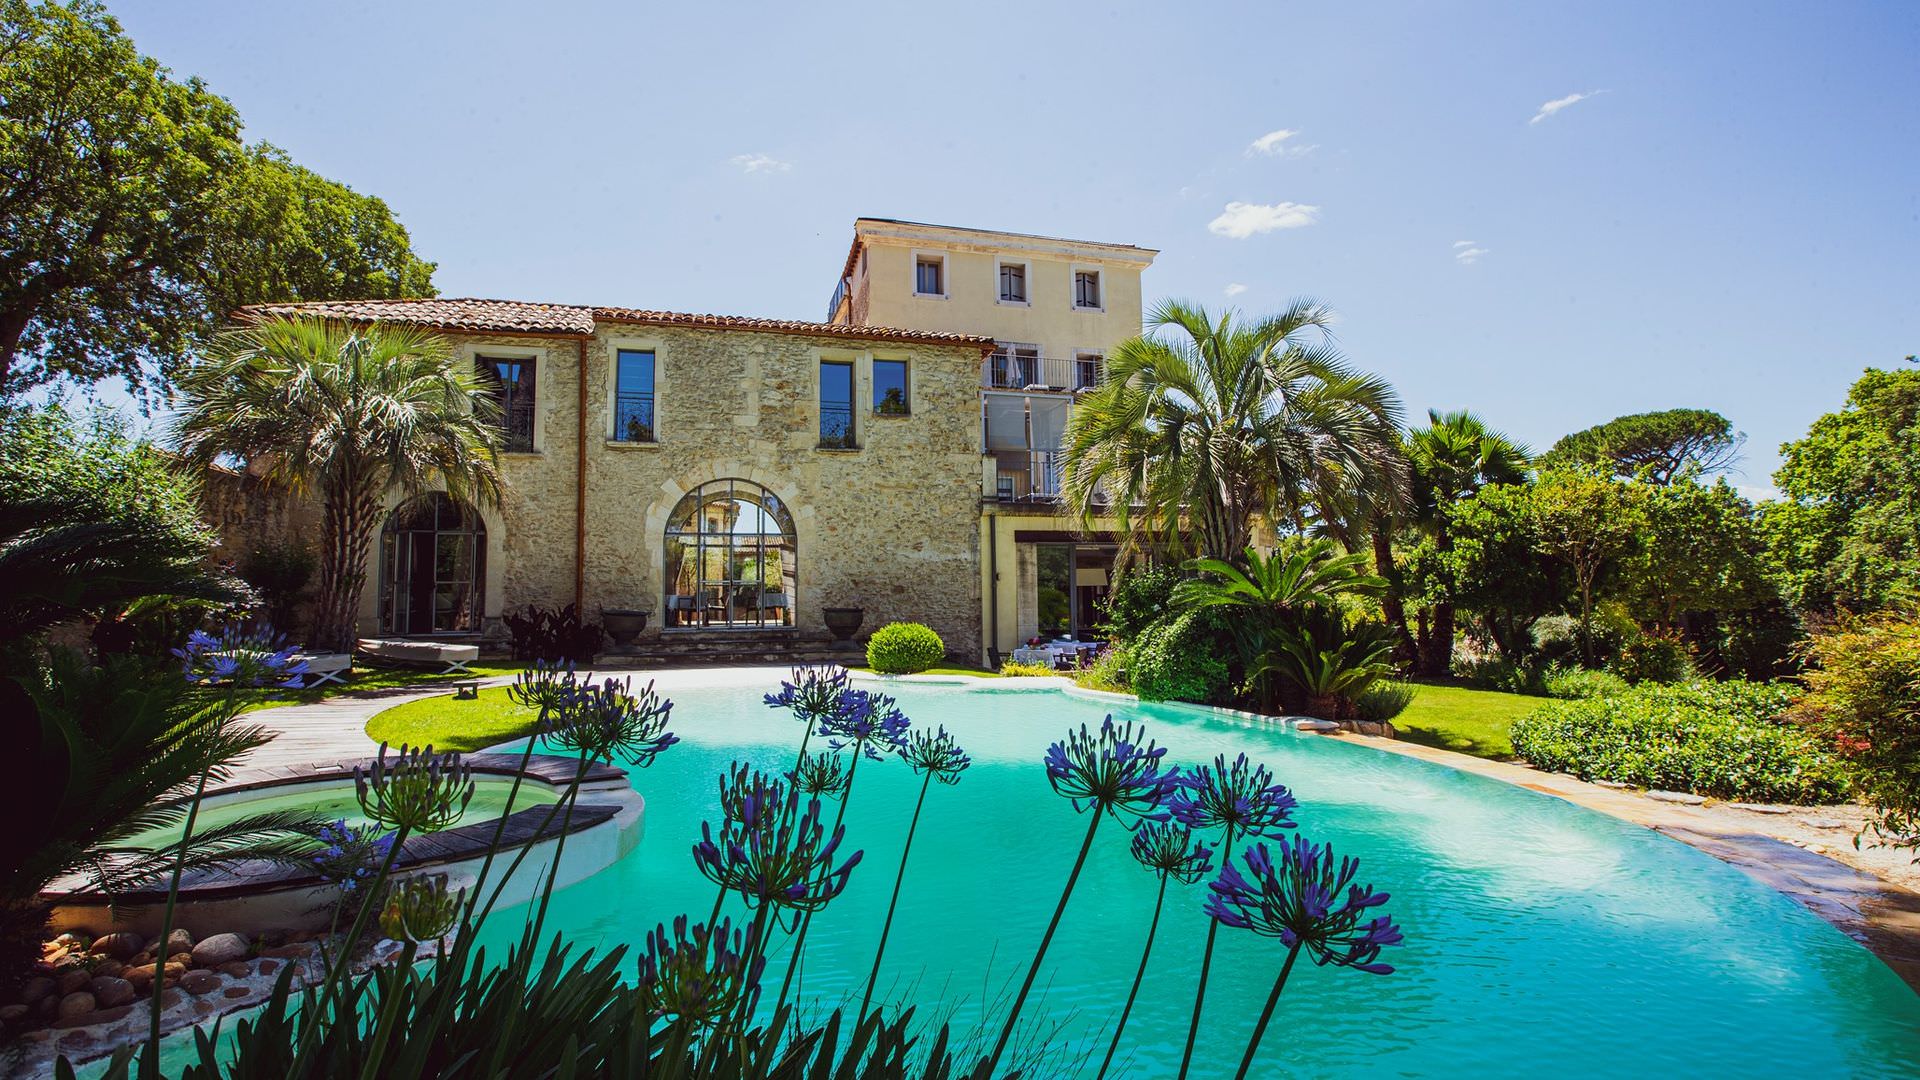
[349, 413]
[1193, 434]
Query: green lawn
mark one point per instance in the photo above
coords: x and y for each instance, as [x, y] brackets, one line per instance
[450, 723]
[372, 678]
[1470, 721]
[979, 672]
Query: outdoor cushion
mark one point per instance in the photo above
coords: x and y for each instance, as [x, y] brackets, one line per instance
[420, 652]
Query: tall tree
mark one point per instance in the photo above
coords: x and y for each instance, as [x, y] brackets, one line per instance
[1590, 523]
[1451, 458]
[1660, 447]
[1191, 435]
[133, 217]
[349, 413]
[1848, 534]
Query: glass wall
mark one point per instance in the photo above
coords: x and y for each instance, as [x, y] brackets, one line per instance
[730, 554]
[432, 562]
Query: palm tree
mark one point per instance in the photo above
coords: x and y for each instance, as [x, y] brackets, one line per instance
[1185, 440]
[1453, 457]
[350, 413]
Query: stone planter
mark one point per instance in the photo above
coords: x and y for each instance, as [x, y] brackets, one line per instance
[843, 622]
[624, 624]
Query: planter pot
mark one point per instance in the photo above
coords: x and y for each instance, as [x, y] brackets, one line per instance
[623, 624]
[843, 622]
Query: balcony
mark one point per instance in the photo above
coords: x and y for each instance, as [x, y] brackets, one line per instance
[1041, 374]
[1026, 475]
[633, 416]
[836, 426]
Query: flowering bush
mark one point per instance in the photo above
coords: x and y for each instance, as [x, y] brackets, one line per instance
[351, 855]
[1865, 696]
[903, 648]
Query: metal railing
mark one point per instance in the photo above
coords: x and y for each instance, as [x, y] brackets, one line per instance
[633, 416]
[836, 427]
[516, 426]
[1027, 476]
[1026, 371]
[839, 294]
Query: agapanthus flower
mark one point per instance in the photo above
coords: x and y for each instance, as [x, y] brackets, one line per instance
[935, 752]
[352, 854]
[785, 863]
[1171, 851]
[544, 686]
[241, 657]
[421, 909]
[1306, 899]
[700, 974]
[1115, 771]
[419, 791]
[823, 776]
[607, 720]
[813, 693]
[1240, 796]
[749, 796]
[869, 723]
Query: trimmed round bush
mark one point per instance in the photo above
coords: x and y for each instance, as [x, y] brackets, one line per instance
[1724, 740]
[903, 648]
[1179, 660]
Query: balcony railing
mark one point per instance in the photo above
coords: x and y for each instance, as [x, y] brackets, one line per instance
[839, 294]
[1025, 371]
[1027, 475]
[516, 426]
[836, 426]
[633, 416]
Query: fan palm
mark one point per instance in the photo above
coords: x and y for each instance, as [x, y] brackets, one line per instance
[1189, 437]
[348, 413]
[1451, 458]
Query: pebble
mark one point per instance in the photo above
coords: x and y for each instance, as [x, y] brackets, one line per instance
[236, 992]
[234, 969]
[1612, 785]
[10, 1013]
[71, 981]
[219, 949]
[121, 946]
[109, 991]
[1761, 808]
[1823, 823]
[75, 1004]
[268, 967]
[179, 941]
[1683, 797]
[73, 942]
[36, 988]
[199, 982]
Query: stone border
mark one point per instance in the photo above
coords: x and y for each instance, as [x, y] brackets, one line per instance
[1882, 916]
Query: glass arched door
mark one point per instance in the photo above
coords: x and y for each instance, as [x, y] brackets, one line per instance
[432, 567]
[730, 554]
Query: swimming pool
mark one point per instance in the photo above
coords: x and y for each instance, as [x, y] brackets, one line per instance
[1540, 936]
[336, 800]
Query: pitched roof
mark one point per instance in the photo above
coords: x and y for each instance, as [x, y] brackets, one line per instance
[519, 317]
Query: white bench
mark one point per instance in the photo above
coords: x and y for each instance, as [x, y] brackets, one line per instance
[454, 658]
[326, 667]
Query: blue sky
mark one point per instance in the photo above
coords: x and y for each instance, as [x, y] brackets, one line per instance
[1728, 218]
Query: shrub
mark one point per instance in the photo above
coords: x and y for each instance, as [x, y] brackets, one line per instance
[1383, 701]
[1865, 695]
[1719, 739]
[1141, 596]
[546, 634]
[1109, 671]
[279, 571]
[1578, 682]
[903, 648]
[1014, 667]
[1654, 658]
[1499, 673]
[1179, 660]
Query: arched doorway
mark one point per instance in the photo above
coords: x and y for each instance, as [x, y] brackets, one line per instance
[731, 554]
[433, 554]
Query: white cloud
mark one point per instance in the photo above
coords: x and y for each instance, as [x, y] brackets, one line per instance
[1274, 144]
[1241, 219]
[1464, 243]
[759, 163]
[1466, 252]
[1235, 289]
[1549, 108]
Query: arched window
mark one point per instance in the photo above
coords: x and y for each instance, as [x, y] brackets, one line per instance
[432, 567]
[730, 558]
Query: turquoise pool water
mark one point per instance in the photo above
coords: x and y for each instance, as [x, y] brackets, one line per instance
[1541, 938]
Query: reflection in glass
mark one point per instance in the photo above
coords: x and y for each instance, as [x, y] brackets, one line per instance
[730, 558]
[432, 555]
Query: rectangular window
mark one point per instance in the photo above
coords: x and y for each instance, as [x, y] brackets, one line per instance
[929, 276]
[512, 380]
[1013, 283]
[836, 405]
[1086, 288]
[1086, 370]
[633, 395]
[890, 388]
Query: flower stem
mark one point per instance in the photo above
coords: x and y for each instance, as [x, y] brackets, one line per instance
[1120, 1026]
[1260, 1029]
[806, 919]
[150, 1062]
[1206, 963]
[885, 927]
[1013, 1016]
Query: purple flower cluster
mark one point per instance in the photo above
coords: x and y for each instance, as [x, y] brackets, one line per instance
[1113, 771]
[1171, 851]
[240, 657]
[813, 693]
[822, 776]
[1240, 796]
[419, 791]
[544, 686]
[783, 861]
[937, 753]
[607, 720]
[749, 796]
[867, 722]
[700, 974]
[353, 853]
[1300, 901]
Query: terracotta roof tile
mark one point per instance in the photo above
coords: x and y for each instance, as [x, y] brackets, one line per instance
[513, 316]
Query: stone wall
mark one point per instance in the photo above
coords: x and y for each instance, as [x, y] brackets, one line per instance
[891, 527]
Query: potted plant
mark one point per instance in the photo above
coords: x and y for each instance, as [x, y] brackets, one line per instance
[624, 624]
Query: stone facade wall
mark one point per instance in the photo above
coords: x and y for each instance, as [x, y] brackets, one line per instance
[891, 527]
